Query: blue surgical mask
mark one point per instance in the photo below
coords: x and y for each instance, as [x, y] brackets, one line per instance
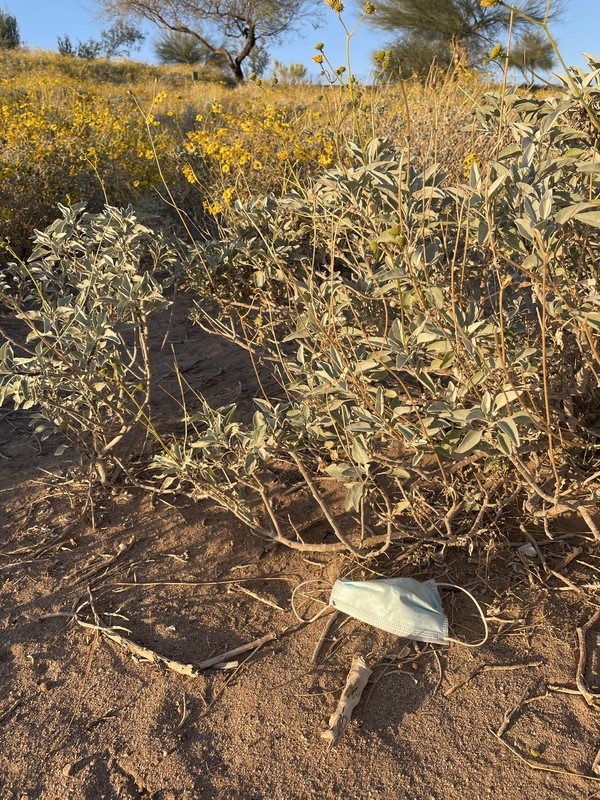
[402, 606]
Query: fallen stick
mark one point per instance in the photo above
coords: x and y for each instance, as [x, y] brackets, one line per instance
[596, 764]
[587, 518]
[554, 687]
[508, 715]
[189, 670]
[322, 638]
[590, 697]
[586, 587]
[141, 652]
[210, 662]
[13, 707]
[259, 598]
[542, 767]
[184, 715]
[356, 681]
[489, 668]
[122, 548]
[230, 678]
[226, 581]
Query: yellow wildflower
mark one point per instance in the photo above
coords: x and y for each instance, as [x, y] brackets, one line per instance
[469, 161]
[227, 195]
[189, 173]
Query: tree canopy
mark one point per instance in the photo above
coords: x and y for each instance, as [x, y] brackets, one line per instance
[412, 55]
[9, 31]
[118, 40]
[174, 47]
[227, 28]
[462, 27]
[532, 54]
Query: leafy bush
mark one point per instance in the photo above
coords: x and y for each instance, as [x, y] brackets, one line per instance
[80, 356]
[433, 331]
[418, 327]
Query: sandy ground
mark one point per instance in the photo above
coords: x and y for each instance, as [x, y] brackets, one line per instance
[81, 717]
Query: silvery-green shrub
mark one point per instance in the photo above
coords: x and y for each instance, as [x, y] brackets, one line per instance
[78, 355]
[415, 323]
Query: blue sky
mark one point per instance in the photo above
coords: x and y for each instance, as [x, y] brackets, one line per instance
[42, 21]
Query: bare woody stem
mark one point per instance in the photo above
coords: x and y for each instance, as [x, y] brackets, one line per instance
[323, 506]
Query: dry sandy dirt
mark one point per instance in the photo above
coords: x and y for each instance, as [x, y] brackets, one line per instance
[80, 717]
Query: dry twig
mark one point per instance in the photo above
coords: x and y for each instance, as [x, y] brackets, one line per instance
[356, 681]
[542, 767]
[184, 716]
[231, 677]
[489, 668]
[590, 697]
[508, 715]
[188, 670]
[144, 653]
[328, 516]
[323, 636]
[89, 576]
[596, 764]
[264, 600]
[12, 707]
[269, 637]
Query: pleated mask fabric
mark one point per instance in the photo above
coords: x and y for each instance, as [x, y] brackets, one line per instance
[403, 606]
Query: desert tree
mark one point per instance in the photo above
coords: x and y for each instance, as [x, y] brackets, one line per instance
[174, 47]
[9, 31]
[258, 60]
[289, 74]
[228, 28]
[118, 40]
[532, 54]
[412, 55]
[465, 28]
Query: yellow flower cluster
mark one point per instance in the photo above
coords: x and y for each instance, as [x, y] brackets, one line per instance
[231, 143]
[67, 138]
[63, 139]
[70, 135]
[470, 160]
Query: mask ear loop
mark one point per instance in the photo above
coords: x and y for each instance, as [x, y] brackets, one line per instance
[319, 613]
[481, 613]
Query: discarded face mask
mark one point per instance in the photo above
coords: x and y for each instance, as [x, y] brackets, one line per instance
[403, 606]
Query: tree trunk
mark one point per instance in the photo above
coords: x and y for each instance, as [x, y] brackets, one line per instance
[250, 34]
[237, 71]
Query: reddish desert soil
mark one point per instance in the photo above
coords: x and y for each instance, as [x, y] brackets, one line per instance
[80, 717]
